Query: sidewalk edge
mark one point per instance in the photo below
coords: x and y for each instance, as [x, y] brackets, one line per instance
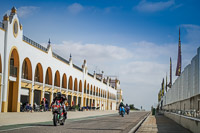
[135, 128]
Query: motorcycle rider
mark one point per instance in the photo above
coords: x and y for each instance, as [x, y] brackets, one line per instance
[62, 100]
[121, 105]
[127, 108]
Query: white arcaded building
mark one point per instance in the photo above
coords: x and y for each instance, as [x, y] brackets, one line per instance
[30, 72]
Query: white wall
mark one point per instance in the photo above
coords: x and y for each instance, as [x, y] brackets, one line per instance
[186, 85]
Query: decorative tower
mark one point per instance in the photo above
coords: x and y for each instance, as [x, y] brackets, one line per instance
[49, 44]
[70, 60]
[178, 67]
[170, 74]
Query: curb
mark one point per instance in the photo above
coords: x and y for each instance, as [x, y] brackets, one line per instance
[135, 128]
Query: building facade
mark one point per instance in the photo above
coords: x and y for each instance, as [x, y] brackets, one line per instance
[30, 72]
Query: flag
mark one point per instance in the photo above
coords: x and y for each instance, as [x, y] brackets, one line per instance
[178, 67]
[170, 74]
[163, 87]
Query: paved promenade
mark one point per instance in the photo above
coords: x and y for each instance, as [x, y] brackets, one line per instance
[110, 123]
[12, 118]
[161, 124]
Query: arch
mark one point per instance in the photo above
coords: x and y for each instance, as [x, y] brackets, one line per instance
[80, 86]
[85, 86]
[39, 73]
[0, 65]
[70, 84]
[97, 91]
[64, 81]
[13, 86]
[88, 88]
[48, 77]
[27, 69]
[57, 79]
[91, 90]
[75, 85]
[94, 91]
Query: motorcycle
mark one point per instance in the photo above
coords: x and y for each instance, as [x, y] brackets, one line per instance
[58, 115]
[122, 111]
[127, 110]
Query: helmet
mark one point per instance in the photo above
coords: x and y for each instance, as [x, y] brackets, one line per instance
[58, 94]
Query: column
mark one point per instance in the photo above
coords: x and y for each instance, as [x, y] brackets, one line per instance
[32, 94]
[77, 100]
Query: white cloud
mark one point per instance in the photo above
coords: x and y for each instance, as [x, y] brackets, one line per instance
[144, 72]
[145, 6]
[147, 50]
[25, 11]
[97, 55]
[75, 8]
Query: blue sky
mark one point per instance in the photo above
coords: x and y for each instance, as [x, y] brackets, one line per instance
[132, 39]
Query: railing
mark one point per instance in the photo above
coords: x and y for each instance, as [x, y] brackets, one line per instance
[13, 71]
[188, 113]
[48, 85]
[56, 87]
[26, 39]
[38, 83]
[77, 67]
[26, 80]
[1, 25]
[61, 58]
[90, 75]
[98, 79]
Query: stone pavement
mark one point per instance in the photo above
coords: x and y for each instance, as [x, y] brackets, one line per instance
[160, 124]
[13, 118]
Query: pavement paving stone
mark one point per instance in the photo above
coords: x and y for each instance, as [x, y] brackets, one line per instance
[160, 124]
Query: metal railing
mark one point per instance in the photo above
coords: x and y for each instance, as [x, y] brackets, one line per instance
[188, 113]
[75, 66]
[1, 25]
[60, 58]
[13, 71]
[91, 75]
[26, 39]
[98, 79]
